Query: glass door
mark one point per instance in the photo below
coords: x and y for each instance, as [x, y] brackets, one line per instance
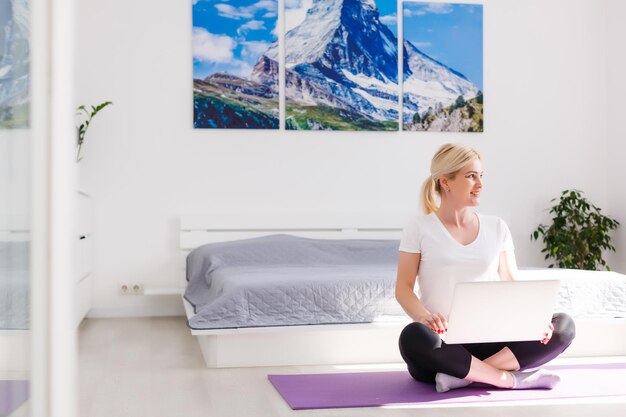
[37, 353]
[15, 207]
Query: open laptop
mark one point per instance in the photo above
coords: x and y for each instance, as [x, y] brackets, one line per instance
[501, 311]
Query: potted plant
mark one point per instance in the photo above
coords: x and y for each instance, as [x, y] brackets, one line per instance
[578, 233]
[86, 117]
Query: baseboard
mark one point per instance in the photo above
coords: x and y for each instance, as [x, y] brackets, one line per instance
[164, 310]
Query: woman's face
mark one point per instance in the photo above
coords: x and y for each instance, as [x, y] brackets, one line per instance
[466, 186]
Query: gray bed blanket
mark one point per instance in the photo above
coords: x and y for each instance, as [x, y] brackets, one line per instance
[286, 280]
[14, 277]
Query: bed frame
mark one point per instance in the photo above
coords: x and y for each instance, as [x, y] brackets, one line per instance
[14, 350]
[336, 343]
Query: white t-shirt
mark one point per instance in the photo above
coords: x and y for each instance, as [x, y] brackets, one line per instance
[444, 261]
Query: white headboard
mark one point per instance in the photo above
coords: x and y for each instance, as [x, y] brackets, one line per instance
[199, 229]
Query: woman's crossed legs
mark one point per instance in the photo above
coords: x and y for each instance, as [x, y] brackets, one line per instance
[429, 359]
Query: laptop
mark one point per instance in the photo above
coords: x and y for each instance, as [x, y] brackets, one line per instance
[501, 311]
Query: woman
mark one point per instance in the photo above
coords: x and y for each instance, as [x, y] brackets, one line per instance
[451, 244]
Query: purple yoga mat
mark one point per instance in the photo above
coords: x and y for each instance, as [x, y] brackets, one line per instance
[12, 395]
[372, 389]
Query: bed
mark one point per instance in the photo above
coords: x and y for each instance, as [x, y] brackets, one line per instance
[258, 293]
[14, 302]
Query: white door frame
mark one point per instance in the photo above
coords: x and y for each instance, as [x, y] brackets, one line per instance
[53, 336]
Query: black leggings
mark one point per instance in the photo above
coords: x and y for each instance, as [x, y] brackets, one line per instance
[426, 354]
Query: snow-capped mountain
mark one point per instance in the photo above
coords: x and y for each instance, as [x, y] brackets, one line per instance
[428, 83]
[343, 57]
[343, 50]
[343, 34]
[265, 72]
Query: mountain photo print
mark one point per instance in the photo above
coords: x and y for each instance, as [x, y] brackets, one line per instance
[442, 67]
[14, 64]
[235, 84]
[341, 65]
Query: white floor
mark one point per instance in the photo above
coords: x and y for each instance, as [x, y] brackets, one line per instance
[153, 367]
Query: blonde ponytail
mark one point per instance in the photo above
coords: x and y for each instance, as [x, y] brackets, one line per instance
[446, 162]
[429, 195]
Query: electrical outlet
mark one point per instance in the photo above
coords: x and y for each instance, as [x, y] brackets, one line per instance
[131, 288]
[137, 289]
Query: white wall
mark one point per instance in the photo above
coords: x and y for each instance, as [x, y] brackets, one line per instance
[144, 164]
[616, 166]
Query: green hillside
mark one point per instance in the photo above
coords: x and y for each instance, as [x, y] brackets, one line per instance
[300, 117]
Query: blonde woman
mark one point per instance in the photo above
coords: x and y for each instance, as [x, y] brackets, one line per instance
[452, 243]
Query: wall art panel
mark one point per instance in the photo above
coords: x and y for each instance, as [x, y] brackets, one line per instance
[235, 83]
[14, 64]
[443, 67]
[341, 65]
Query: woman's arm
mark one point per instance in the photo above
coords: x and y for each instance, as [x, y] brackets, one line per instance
[507, 267]
[408, 265]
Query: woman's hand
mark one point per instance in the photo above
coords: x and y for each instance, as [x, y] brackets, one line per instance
[548, 334]
[436, 321]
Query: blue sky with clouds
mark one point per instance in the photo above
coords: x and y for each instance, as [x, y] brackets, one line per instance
[451, 33]
[388, 14]
[230, 35]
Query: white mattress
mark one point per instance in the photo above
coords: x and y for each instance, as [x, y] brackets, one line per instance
[586, 294]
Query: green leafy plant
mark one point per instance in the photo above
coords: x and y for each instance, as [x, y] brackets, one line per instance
[86, 116]
[578, 233]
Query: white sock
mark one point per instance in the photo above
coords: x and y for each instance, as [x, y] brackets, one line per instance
[534, 379]
[445, 382]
